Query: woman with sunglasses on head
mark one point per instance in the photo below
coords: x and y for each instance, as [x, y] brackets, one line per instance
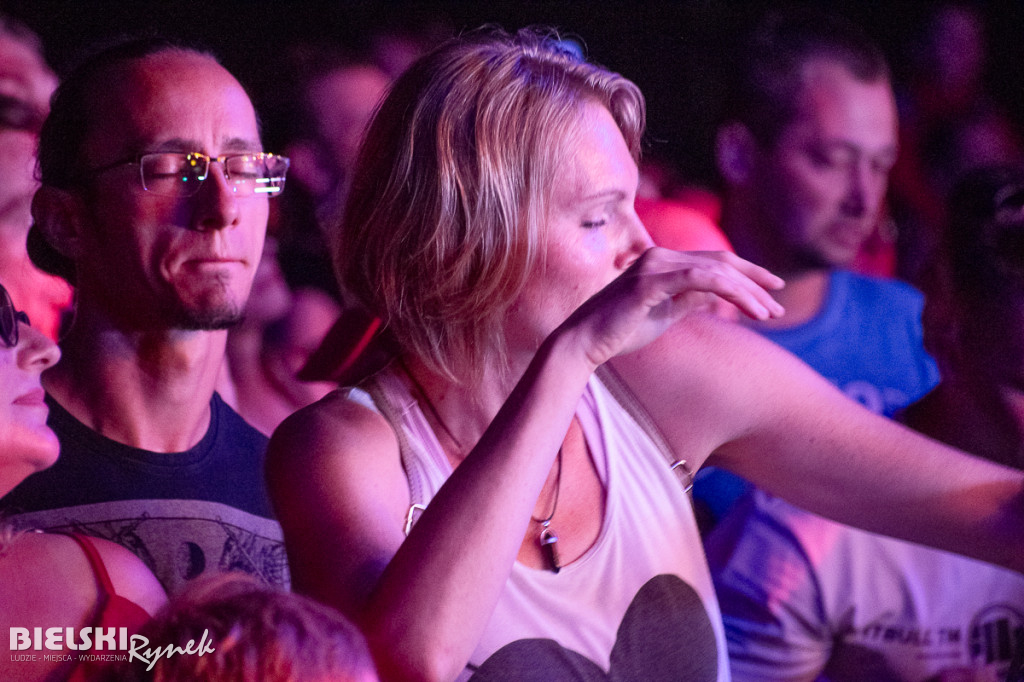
[506, 500]
[52, 580]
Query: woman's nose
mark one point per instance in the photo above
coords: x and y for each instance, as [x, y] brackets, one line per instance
[36, 352]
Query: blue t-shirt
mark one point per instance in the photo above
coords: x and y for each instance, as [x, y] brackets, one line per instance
[867, 339]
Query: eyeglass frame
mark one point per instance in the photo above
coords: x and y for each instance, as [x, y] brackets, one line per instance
[222, 160]
[10, 331]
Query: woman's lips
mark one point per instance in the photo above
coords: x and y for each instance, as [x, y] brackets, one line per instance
[34, 397]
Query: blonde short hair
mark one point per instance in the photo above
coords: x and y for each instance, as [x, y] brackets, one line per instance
[448, 204]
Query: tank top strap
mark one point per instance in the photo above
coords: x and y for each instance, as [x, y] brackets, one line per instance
[624, 396]
[96, 562]
[394, 403]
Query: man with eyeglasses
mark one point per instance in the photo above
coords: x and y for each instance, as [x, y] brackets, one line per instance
[26, 83]
[154, 203]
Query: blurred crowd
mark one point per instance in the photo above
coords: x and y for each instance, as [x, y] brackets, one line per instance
[177, 335]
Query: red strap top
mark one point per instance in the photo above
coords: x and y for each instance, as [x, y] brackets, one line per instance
[112, 610]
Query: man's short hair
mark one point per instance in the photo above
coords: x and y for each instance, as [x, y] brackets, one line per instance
[67, 127]
[767, 70]
[76, 101]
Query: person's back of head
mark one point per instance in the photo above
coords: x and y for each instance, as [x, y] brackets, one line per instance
[242, 630]
[975, 287]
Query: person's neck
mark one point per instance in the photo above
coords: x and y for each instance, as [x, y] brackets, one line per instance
[243, 349]
[147, 389]
[803, 298]
[806, 287]
[464, 409]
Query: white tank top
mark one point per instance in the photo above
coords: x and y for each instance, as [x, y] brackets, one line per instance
[639, 601]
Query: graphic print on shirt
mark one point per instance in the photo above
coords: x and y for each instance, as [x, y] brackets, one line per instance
[991, 641]
[665, 634]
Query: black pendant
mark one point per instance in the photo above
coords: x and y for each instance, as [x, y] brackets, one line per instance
[549, 547]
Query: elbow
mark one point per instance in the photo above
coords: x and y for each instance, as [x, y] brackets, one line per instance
[408, 659]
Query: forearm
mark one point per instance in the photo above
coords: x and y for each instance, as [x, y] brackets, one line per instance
[435, 597]
[845, 463]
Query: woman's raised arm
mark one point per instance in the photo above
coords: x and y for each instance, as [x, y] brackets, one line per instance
[714, 386]
[340, 493]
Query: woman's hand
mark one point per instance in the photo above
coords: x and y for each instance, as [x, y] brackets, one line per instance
[663, 286]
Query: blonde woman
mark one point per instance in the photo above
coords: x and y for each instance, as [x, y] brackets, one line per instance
[556, 386]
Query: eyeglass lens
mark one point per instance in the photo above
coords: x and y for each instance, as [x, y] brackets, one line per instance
[175, 174]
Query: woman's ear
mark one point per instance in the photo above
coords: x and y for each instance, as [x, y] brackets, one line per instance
[57, 214]
[735, 150]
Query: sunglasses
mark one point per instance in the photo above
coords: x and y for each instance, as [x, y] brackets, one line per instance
[9, 319]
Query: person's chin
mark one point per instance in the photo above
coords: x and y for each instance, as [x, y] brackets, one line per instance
[843, 249]
[45, 451]
[834, 255]
[209, 315]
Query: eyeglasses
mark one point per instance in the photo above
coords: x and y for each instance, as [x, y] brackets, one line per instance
[175, 174]
[9, 319]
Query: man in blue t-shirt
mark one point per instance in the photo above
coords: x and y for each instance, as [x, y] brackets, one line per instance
[154, 203]
[804, 150]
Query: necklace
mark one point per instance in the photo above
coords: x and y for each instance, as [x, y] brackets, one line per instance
[547, 539]
[430, 406]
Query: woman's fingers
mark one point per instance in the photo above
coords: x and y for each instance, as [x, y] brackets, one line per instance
[760, 275]
[721, 274]
[663, 286]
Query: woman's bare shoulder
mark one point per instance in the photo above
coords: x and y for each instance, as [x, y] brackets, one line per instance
[336, 480]
[49, 554]
[334, 453]
[60, 561]
[336, 421]
[131, 578]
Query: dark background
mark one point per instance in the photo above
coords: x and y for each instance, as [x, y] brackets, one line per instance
[672, 50]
